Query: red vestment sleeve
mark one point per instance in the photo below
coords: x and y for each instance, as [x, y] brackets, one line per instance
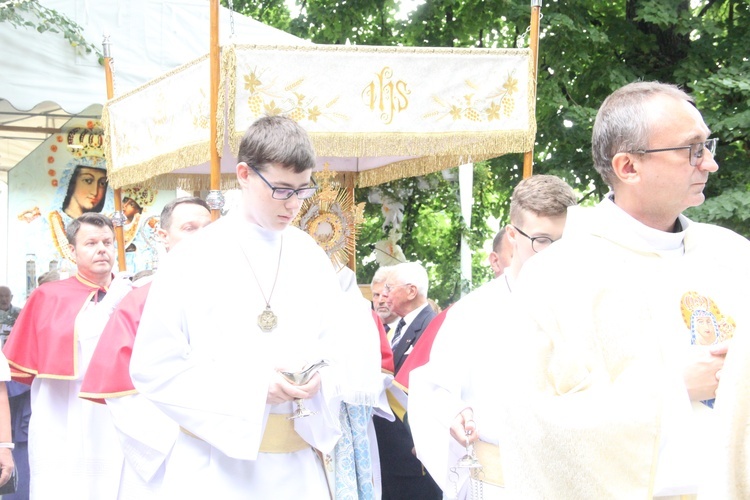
[108, 374]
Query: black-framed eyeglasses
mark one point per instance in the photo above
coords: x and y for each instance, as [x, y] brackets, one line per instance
[538, 243]
[388, 288]
[278, 193]
[696, 150]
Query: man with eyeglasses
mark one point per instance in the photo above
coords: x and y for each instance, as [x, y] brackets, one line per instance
[380, 302]
[456, 397]
[403, 476]
[614, 397]
[230, 309]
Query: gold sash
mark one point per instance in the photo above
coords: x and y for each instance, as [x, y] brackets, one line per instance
[278, 437]
[489, 456]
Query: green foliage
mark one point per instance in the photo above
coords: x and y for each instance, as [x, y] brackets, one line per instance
[588, 48]
[32, 14]
[272, 12]
[433, 226]
[730, 209]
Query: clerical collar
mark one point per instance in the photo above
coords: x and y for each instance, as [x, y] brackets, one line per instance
[253, 231]
[663, 242]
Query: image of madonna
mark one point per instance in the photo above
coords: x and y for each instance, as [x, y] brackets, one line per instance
[704, 329]
[86, 191]
[83, 188]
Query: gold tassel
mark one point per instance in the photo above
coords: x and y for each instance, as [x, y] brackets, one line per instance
[189, 182]
[414, 168]
[164, 164]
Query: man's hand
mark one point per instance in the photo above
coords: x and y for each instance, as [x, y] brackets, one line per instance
[702, 370]
[281, 389]
[6, 465]
[117, 290]
[463, 428]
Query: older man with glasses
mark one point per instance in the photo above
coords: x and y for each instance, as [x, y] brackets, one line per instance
[403, 476]
[614, 397]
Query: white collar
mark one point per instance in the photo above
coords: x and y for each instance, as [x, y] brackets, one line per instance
[410, 317]
[662, 242]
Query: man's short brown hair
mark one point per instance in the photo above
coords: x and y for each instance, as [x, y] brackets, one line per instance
[542, 195]
[91, 218]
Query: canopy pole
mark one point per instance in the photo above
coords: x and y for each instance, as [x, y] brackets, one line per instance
[119, 218]
[349, 183]
[215, 65]
[466, 200]
[536, 7]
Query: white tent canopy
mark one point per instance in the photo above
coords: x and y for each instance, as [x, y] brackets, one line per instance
[45, 80]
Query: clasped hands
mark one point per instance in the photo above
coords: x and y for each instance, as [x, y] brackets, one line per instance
[463, 428]
[281, 390]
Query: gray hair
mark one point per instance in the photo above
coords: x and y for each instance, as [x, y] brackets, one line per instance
[382, 274]
[277, 140]
[412, 273]
[622, 123]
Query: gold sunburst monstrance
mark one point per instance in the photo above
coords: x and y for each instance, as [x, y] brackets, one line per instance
[332, 218]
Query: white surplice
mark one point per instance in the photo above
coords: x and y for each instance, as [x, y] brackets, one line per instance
[200, 356]
[73, 449]
[601, 409]
[461, 373]
[146, 437]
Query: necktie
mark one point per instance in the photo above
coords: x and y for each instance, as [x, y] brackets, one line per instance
[399, 331]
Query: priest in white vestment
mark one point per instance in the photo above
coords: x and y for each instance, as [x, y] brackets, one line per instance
[456, 397]
[626, 321]
[731, 478]
[248, 297]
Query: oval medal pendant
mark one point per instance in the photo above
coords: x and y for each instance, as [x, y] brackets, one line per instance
[267, 320]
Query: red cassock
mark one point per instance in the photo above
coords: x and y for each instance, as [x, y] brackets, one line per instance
[43, 342]
[386, 354]
[108, 374]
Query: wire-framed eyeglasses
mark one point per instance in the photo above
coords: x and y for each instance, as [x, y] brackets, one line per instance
[389, 288]
[538, 243]
[278, 193]
[696, 150]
